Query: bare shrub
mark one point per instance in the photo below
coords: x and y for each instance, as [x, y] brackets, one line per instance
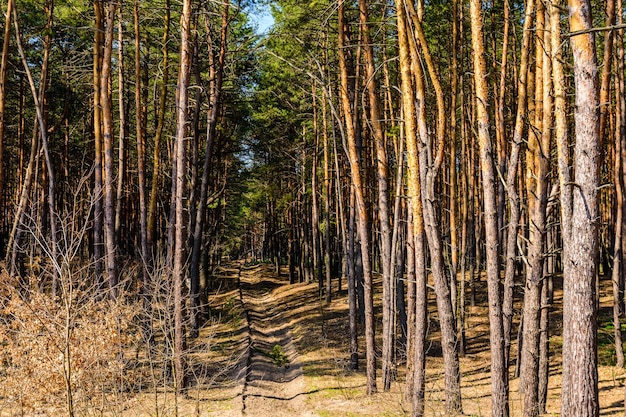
[64, 342]
[67, 353]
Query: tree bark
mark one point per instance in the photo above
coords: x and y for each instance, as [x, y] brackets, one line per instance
[579, 208]
[216, 74]
[107, 137]
[511, 180]
[3, 77]
[618, 178]
[98, 212]
[416, 229]
[141, 170]
[39, 102]
[361, 208]
[152, 205]
[430, 165]
[382, 175]
[537, 164]
[121, 146]
[499, 369]
[178, 272]
[605, 94]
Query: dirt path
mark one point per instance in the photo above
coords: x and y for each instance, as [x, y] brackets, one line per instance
[274, 383]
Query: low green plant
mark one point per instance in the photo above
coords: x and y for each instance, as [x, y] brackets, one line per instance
[278, 356]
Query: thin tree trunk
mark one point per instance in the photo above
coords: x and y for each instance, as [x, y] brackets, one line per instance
[327, 197]
[453, 194]
[98, 212]
[618, 178]
[500, 132]
[537, 190]
[141, 168]
[315, 216]
[511, 180]
[418, 338]
[39, 102]
[3, 76]
[178, 273]
[13, 246]
[544, 345]
[543, 196]
[499, 370]
[107, 137]
[347, 238]
[430, 165]
[388, 369]
[605, 93]
[217, 71]
[361, 208]
[121, 146]
[410, 391]
[152, 205]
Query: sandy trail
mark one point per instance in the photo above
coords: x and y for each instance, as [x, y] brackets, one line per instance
[272, 387]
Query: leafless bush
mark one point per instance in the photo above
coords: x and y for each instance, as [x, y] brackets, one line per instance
[67, 348]
[64, 342]
[64, 355]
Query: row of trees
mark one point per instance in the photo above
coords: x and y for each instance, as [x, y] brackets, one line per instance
[410, 139]
[443, 140]
[135, 118]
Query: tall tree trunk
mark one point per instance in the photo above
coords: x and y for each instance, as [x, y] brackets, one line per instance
[499, 370]
[418, 338]
[98, 212]
[579, 213]
[537, 164]
[152, 205]
[216, 74]
[382, 175]
[315, 216]
[361, 208]
[618, 178]
[107, 137]
[141, 165]
[347, 238]
[430, 164]
[39, 102]
[605, 93]
[501, 139]
[511, 180]
[543, 195]
[327, 197]
[121, 146]
[410, 390]
[544, 344]
[13, 246]
[178, 272]
[453, 194]
[3, 77]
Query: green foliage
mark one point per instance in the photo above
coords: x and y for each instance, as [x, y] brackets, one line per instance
[606, 341]
[277, 354]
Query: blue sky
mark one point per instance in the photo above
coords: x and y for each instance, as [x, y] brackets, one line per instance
[262, 18]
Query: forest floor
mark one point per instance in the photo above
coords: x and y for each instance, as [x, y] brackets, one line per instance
[287, 352]
[274, 349]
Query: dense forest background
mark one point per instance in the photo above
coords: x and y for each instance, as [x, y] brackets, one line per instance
[431, 145]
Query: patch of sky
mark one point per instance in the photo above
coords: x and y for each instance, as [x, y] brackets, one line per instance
[261, 17]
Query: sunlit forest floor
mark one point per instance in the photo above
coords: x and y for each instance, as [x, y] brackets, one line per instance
[274, 349]
[320, 332]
